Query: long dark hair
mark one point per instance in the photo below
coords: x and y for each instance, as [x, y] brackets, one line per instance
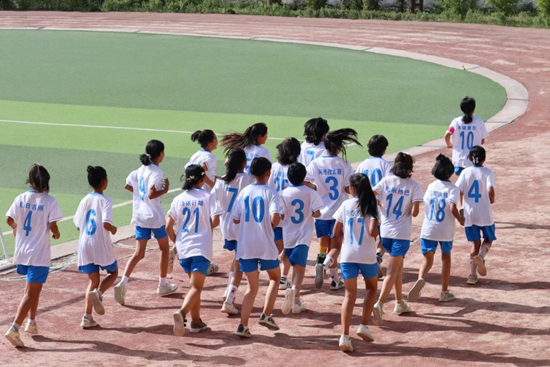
[153, 149]
[477, 155]
[236, 159]
[96, 175]
[289, 151]
[443, 168]
[367, 200]
[204, 137]
[193, 174]
[315, 130]
[246, 139]
[467, 105]
[337, 140]
[403, 165]
[39, 178]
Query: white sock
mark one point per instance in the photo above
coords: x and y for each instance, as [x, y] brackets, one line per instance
[88, 315]
[162, 282]
[229, 278]
[124, 280]
[231, 294]
[31, 321]
[328, 262]
[334, 274]
[484, 250]
[473, 268]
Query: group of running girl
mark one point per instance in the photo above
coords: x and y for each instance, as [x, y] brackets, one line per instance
[267, 214]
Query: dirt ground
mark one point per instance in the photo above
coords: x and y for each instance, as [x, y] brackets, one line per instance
[505, 320]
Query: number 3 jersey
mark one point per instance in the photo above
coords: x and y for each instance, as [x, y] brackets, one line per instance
[253, 208]
[94, 242]
[192, 210]
[439, 222]
[464, 137]
[396, 196]
[474, 183]
[33, 213]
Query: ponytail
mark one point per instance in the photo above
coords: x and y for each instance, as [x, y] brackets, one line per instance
[153, 150]
[289, 151]
[403, 165]
[315, 130]
[337, 140]
[477, 155]
[468, 106]
[367, 200]
[246, 139]
[236, 160]
[193, 175]
[204, 137]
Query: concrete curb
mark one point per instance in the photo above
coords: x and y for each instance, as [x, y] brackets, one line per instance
[516, 104]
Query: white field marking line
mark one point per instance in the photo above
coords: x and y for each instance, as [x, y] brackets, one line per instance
[111, 127]
[120, 205]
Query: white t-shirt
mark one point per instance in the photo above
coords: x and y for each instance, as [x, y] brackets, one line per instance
[396, 197]
[358, 246]
[310, 151]
[255, 151]
[331, 175]
[376, 168]
[33, 213]
[254, 207]
[226, 196]
[147, 213]
[464, 137]
[94, 242]
[474, 183]
[192, 210]
[300, 203]
[439, 222]
[278, 181]
[205, 157]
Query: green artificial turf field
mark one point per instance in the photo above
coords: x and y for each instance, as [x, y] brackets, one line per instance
[70, 99]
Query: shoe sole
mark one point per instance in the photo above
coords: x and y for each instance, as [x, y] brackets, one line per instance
[481, 269]
[287, 303]
[226, 311]
[472, 283]
[89, 326]
[243, 335]
[195, 331]
[299, 312]
[337, 288]
[447, 300]
[365, 337]
[119, 297]
[98, 306]
[32, 332]
[377, 316]
[345, 348]
[213, 269]
[179, 327]
[14, 342]
[401, 312]
[414, 293]
[319, 276]
[167, 293]
[269, 326]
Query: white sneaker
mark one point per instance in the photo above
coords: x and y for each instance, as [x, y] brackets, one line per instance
[319, 275]
[96, 302]
[243, 331]
[212, 269]
[88, 322]
[14, 338]
[480, 262]
[167, 289]
[446, 297]
[335, 286]
[120, 293]
[229, 308]
[364, 333]
[401, 307]
[31, 328]
[378, 313]
[345, 344]
[289, 301]
[285, 284]
[472, 280]
[179, 323]
[172, 257]
[298, 306]
[414, 293]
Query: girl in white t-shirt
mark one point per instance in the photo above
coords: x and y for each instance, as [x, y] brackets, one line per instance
[251, 141]
[94, 220]
[32, 216]
[289, 151]
[204, 157]
[314, 130]
[399, 197]
[465, 132]
[356, 224]
[440, 211]
[477, 187]
[226, 191]
[329, 175]
[147, 186]
[191, 218]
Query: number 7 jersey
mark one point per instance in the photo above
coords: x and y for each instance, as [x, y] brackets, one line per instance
[439, 223]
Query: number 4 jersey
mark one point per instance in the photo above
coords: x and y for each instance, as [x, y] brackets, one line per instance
[474, 183]
[439, 222]
[396, 196]
[94, 242]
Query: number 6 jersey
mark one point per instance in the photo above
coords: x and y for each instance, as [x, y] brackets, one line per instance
[439, 222]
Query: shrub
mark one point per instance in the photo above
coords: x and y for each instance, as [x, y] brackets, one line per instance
[506, 7]
[544, 8]
[371, 4]
[316, 4]
[460, 7]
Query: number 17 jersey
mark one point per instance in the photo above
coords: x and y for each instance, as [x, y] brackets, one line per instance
[439, 222]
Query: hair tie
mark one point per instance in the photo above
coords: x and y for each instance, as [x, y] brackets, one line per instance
[148, 155]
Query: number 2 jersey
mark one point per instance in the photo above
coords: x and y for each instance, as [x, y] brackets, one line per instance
[396, 197]
[331, 175]
[33, 213]
[192, 210]
[94, 242]
[439, 223]
[147, 213]
[464, 137]
[474, 183]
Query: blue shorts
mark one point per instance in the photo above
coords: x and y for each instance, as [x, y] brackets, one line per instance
[230, 245]
[458, 170]
[278, 232]
[324, 227]
[195, 263]
[297, 255]
[35, 274]
[250, 265]
[351, 270]
[396, 247]
[92, 268]
[474, 232]
[145, 233]
[429, 245]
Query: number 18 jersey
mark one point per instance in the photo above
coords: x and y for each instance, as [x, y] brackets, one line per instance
[439, 222]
